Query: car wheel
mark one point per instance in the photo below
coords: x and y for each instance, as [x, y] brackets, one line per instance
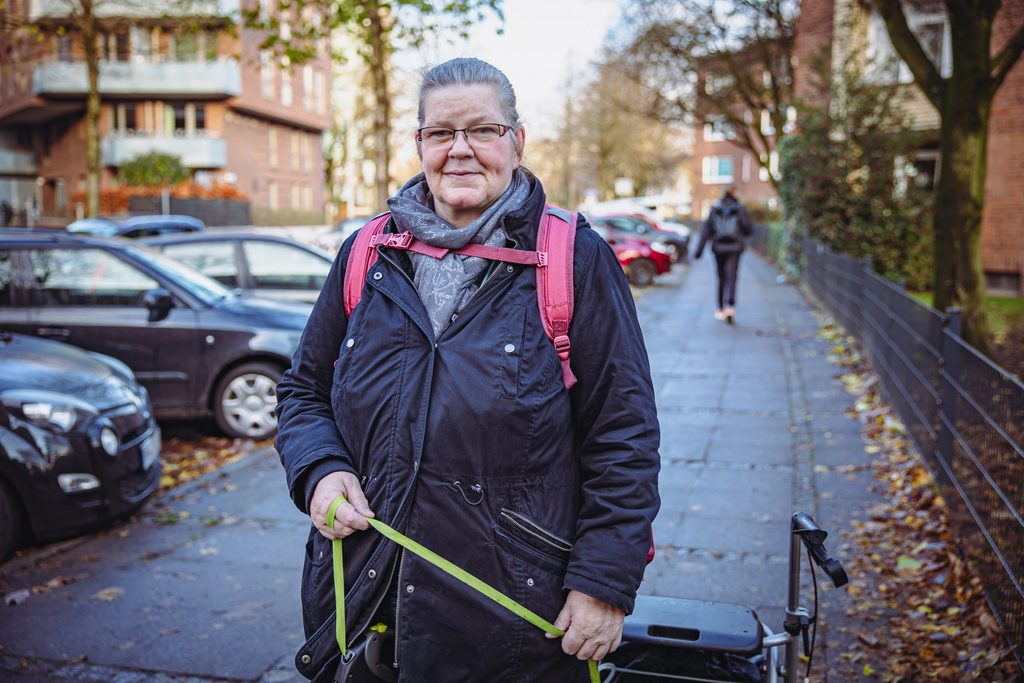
[12, 521]
[641, 272]
[245, 400]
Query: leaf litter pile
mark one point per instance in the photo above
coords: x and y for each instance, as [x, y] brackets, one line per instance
[185, 459]
[924, 613]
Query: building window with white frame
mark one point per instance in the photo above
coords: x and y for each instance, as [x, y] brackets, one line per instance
[718, 129]
[766, 174]
[286, 82]
[272, 199]
[931, 28]
[716, 170]
[272, 146]
[266, 75]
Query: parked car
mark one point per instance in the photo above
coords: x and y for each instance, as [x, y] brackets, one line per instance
[675, 242]
[78, 443]
[333, 240]
[197, 347]
[267, 265]
[638, 259]
[135, 226]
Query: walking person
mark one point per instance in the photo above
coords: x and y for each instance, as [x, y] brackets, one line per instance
[727, 226]
[441, 407]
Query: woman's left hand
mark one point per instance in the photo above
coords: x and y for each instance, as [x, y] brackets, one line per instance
[592, 628]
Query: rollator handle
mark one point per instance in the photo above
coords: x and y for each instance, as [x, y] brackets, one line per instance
[813, 538]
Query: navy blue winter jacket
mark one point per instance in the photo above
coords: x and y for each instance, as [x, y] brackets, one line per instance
[471, 444]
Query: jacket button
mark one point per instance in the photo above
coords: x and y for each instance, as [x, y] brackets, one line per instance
[529, 582]
[510, 268]
[509, 348]
[372, 573]
[378, 275]
[410, 588]
[350, 343]
[305, 659]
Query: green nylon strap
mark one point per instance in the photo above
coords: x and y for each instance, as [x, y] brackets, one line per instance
[443, 564]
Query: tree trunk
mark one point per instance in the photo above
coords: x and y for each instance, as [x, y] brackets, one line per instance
[960, 192]
[379, 51]
[92, 111]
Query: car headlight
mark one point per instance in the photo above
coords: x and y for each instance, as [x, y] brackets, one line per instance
[52, 411]
[661, 248]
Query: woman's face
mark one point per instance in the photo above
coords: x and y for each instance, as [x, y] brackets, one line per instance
[465, 178]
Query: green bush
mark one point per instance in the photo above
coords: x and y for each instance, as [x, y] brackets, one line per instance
[153, 170]
[844, 180]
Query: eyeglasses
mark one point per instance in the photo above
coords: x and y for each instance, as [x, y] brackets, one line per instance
[482, 133]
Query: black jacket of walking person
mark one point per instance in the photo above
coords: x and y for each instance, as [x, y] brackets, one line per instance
[461, 433]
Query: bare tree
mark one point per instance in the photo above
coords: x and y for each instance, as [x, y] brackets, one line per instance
[964, 101]
[377, 27]
[716, 61]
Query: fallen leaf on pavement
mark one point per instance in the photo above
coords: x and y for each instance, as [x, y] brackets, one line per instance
[108, 594]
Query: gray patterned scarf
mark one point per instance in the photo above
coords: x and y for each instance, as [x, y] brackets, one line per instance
[446, 285]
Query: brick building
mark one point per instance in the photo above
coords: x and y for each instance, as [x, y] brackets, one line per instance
[838, 27]
[199, 89]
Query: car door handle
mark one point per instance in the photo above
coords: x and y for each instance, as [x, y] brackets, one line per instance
[54, 332]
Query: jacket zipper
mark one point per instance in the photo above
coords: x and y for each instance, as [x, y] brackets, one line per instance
[398, 601]
[549, 540]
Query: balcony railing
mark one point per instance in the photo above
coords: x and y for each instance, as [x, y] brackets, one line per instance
[205, 151]
[41, 9]
[215, 78]
[17, 162]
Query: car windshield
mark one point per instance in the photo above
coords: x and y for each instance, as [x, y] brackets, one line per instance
[205, 289]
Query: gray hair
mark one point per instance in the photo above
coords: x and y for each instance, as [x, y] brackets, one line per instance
[471, 71]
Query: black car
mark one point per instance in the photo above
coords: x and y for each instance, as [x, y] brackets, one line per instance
[674, 242]
[78, 444]
[197, 347]
[265, 265]
[136, 226]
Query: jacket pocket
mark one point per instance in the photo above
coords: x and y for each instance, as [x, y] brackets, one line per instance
[511, 349]
[525, 539]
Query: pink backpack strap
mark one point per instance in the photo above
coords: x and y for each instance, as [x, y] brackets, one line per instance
[557, 238]
[360, 259]
[406, 242]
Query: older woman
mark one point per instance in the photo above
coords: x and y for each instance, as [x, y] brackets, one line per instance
[439, 408]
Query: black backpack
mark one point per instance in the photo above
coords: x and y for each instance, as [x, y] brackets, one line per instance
[727, 222]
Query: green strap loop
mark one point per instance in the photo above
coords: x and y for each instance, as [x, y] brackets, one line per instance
[443, 564]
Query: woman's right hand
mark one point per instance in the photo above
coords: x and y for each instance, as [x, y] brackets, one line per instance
[350, 516]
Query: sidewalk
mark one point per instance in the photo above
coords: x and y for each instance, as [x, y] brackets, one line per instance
[750, 413]
[753, 423]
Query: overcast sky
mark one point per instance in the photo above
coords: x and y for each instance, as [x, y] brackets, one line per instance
[545, 43]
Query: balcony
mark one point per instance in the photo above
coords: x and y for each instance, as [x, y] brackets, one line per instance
[194, 151]
[221, 78]
[17, 162]
[44, 9]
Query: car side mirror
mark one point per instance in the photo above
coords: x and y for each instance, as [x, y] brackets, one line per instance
[159, 303]
[642, 229]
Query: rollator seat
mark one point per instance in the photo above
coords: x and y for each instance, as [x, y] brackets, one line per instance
[693, 624]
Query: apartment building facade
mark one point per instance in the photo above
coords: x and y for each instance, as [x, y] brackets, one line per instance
[197, 87]
[841, 28]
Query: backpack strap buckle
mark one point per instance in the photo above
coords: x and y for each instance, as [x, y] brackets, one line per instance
[394, 240]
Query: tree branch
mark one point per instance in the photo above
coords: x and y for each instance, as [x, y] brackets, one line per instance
[906, 43]
[1006, 58]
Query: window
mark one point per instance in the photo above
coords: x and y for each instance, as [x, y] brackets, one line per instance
[718, 129]
[746, 168]
[296, 191]
[320, 88]
[715, 84]
[295, 150]
[272, 199]
[87, 277]
[6, 276]
[122, 52]
[178, 116]
[200, 116]
[932, 31]
[773, 168]
[64, 47]
[127, 118]
[272, 146]
[266, 75]
[185, 47]
[307, 87]
[142, 44]
[767, 127]
[212, 259]
[60, 196]
[286, 82]
[716, 170]
[281, 266]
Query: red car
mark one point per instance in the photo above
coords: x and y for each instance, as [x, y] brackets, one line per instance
[638, 259]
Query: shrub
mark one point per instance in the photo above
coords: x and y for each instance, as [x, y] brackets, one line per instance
[153, 169]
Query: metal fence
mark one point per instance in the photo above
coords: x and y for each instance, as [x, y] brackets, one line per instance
[965, 413]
